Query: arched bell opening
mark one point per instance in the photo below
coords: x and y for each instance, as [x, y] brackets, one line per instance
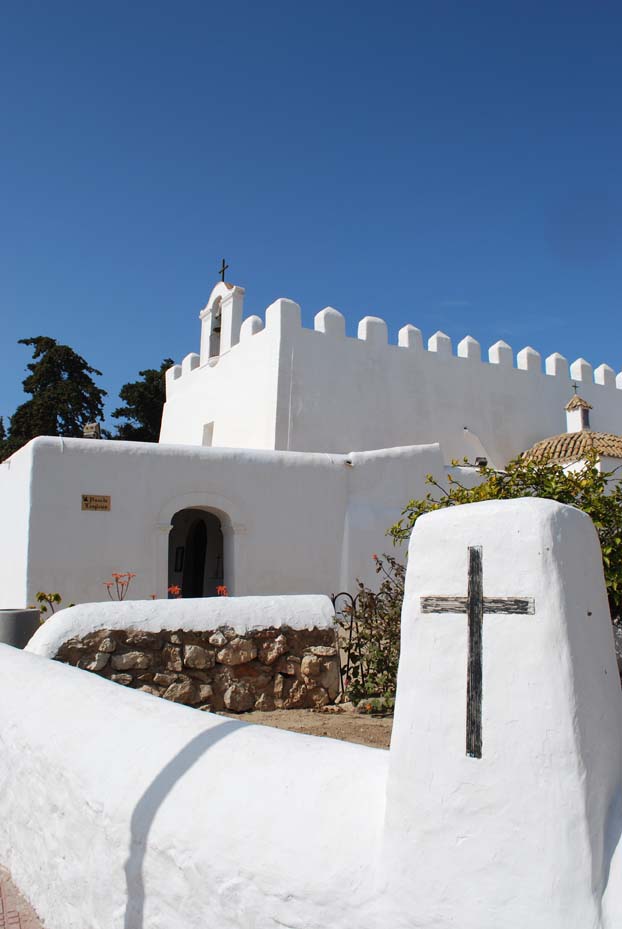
[215, 332]
[195, 553]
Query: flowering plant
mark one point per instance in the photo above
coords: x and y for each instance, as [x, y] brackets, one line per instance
[175, 591]
[119, 584]
[222, 591]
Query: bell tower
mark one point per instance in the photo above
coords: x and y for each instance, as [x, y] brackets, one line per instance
[221, 320]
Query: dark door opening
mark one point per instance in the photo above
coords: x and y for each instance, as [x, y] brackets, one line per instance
[195, 562]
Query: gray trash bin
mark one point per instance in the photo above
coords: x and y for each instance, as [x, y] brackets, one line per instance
[18, 626]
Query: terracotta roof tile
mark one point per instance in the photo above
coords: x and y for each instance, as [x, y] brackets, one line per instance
[577, 403]
[573, 446]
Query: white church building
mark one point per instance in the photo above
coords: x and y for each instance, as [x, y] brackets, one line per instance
[285, 454]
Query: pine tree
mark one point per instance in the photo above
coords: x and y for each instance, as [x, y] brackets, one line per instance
[64, 396]
[144, 400]
[3, 439]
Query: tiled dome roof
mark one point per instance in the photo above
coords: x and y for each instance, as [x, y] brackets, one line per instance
[573, 446]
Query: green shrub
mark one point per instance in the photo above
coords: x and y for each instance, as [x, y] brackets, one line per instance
[370, 634]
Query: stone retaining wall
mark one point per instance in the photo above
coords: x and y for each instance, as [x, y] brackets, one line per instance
[221, 669]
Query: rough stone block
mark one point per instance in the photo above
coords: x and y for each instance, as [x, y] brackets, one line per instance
[197, 657]
[281, 685]
[205, 693]
[238, 651]
[95, 662]
[311, 666]
[171, 658]
[149, 689]
[330, 679]
[305, 696]
[130, 660]
[265, 703]
[289, 665]
[239, 698]
[183, 692]
[100, 641]
[324, 651]
[273, 649]
[139, 639]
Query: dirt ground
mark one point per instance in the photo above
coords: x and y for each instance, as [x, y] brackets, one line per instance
[347, 726]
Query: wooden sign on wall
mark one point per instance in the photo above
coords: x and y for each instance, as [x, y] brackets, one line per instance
[95, 502]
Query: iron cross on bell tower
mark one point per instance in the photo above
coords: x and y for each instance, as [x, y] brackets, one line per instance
[224, 267]
[475, 605]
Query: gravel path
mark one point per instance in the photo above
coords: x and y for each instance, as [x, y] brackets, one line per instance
[349, 727]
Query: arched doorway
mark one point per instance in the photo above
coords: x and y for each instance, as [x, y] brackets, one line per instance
[195, 553]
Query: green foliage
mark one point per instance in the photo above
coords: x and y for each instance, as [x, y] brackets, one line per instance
[64, 396]
[599, 494]
[144, 400]
[370, 634]
[377, 706]
[47, 602]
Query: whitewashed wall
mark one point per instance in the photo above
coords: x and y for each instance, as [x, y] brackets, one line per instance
[150, 814]
[292, 523]
[528, 833]
[338, 394]
[236, 392]
[124, 811]
[14, 527]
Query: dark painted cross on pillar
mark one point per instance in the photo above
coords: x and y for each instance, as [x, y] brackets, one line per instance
[475, 604]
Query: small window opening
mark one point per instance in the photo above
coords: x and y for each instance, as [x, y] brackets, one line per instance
[208, 433]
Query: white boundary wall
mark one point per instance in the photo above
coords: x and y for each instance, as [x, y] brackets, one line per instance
[243, 614]
[287, 387]
[124, 811]
[121, 810]
[15, 499]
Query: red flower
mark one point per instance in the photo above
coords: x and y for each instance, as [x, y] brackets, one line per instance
[174, 590]
[222, 591]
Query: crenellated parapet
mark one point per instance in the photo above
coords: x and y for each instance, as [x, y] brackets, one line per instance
[283, 317]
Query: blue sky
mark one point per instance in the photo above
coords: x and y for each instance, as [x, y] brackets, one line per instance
[449, 164]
